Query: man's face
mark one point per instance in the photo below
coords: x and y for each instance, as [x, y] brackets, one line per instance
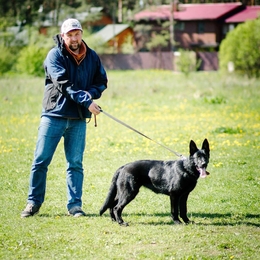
[73, 39]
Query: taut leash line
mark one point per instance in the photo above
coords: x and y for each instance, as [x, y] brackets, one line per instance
[128, 126]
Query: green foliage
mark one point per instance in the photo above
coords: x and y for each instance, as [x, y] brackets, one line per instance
[26, 12]
[159, 40]
[241, 47]
[111, 4]
[97, 43]
[40, 40]
[186, 62]
[7, 59]
[229, 130]
[5, 22]
[31, 59]
[21, 11]
[215, 100]
[127, 46]
[169, 108]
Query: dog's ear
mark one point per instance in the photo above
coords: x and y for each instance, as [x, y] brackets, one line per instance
[205, 147]
[193, 148]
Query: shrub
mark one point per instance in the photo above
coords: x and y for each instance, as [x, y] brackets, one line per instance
[97, 43]
[241, 47]
[127, 46]
[31, 57]
[30, 60]
[186, 62]
[7, 59]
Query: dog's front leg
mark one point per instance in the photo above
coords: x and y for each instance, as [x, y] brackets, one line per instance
[175, 208]
[183, 207]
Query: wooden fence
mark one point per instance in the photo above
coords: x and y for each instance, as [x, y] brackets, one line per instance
[149, 60]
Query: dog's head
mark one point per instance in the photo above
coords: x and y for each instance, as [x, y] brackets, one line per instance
[200, 157]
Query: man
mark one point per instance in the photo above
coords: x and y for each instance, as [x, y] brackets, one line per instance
[74, 77]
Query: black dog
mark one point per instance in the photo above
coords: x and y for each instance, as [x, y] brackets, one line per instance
[173, 178]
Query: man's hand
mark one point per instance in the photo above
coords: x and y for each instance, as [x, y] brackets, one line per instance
[94, 108]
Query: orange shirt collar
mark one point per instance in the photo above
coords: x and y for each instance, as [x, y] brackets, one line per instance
[82, 53]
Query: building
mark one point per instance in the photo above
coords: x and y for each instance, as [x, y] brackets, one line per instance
[115, 35]
[199, 27]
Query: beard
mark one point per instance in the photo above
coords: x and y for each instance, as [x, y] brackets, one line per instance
[74, 46]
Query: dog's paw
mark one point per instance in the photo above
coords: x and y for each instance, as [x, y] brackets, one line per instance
[177, 222]
[124, 224]
[190, 222]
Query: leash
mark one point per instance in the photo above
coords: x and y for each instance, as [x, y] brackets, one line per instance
[128, 126]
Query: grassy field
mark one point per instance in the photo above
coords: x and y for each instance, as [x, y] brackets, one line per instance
[170, 109]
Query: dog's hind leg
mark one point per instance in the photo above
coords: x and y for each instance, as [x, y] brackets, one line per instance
[175, 208]
[117, 211]
[111, 200]
[125, 197]
[111, 211]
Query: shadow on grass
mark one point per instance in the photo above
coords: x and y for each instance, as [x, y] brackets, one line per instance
[229, 219]
[46, 215]
[215, 219]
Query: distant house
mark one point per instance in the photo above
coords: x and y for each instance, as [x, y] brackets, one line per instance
[196, 26]
[115, 35]
[249, 13]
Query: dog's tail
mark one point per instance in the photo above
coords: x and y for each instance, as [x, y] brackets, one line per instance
[109, 202]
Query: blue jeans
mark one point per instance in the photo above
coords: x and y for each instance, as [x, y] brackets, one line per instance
[50, 132]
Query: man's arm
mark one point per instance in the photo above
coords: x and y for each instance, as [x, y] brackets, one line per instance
[56, 72]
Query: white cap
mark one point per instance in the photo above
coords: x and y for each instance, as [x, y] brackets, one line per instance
[70, 24]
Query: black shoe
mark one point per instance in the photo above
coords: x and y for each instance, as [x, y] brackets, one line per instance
[30, 210]
[76, 212]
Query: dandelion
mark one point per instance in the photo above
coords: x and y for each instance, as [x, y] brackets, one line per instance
[217, 165]
[237, 143]
[226, 143]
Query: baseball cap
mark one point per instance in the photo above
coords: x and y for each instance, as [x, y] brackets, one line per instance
[70, 24]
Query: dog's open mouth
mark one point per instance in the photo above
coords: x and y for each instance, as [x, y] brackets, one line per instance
[203, 172]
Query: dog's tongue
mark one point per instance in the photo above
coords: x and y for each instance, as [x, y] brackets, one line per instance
[203, 172]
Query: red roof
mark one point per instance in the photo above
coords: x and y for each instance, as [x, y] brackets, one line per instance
[250, 13]
[153, 13]
[188, 12]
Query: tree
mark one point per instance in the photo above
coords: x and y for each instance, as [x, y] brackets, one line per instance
[23, 11]
[159, 40]
[55, 6]
[117, 8]
[109, 4]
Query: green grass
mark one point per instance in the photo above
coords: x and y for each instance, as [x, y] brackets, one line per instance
[170, 109]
